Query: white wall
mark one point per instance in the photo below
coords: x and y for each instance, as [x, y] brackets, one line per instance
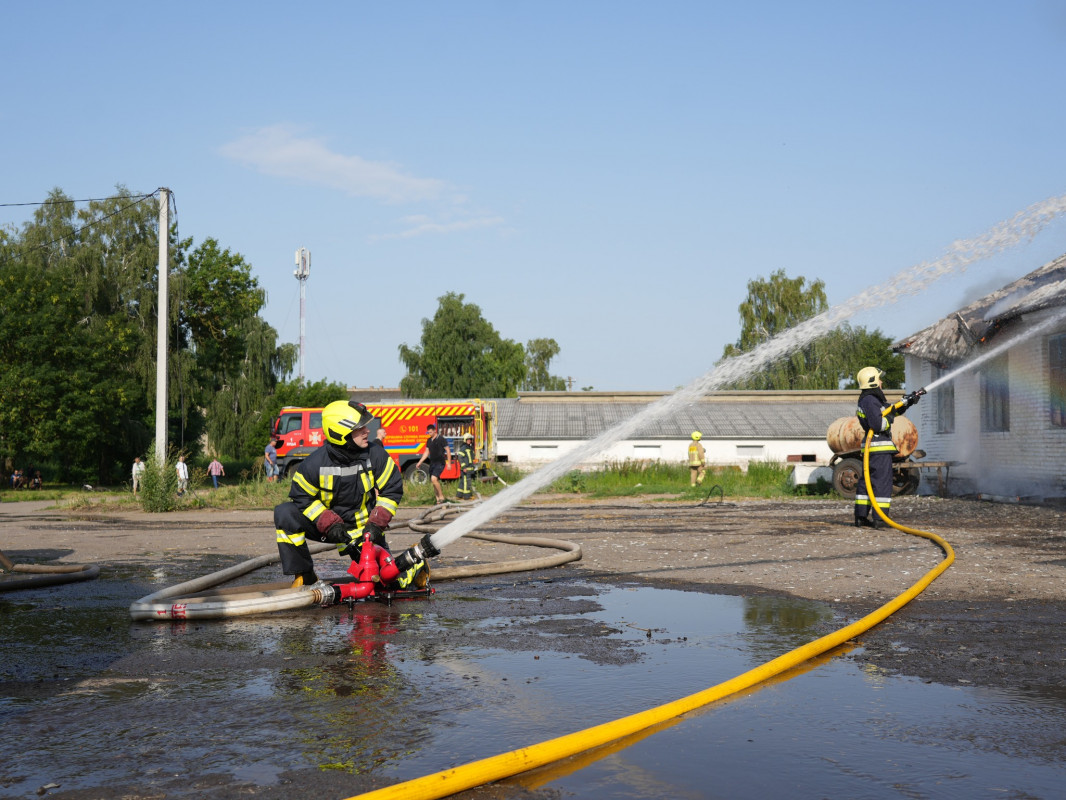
[525, 454]
[1029, 460]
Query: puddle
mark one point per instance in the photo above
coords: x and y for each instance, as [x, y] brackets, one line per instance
[490, 669]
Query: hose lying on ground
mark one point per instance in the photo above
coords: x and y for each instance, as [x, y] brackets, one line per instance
[43, 574]
[196, 599]
[478, 773]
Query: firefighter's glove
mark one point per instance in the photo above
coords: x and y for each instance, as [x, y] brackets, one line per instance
[332, 527]
[912, 398]
[374, 533]
[353, 549]
[376, 524]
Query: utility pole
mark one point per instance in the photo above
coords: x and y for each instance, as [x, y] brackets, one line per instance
[303, 270]
[161, 330]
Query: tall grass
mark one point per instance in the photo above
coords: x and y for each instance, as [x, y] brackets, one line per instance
[631, 478]
[245, 487]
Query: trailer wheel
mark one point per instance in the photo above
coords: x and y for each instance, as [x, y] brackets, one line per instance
[846, 476]
[905, 481]
[416, 475]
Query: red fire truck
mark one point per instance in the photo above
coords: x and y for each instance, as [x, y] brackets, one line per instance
[298, 432]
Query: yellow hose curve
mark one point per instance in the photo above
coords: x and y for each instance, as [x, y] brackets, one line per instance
[478, 773]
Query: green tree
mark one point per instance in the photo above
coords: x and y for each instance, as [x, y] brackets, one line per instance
[78, 323]
[461, 355]
[75, 291]
[829, 362]
[539, 353]
[238, 361]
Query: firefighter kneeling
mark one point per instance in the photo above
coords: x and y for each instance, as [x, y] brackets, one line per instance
[346, 493]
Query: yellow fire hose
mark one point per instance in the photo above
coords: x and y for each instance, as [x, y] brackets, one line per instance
[478, 773]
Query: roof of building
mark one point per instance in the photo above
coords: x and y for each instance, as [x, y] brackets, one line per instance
[956, 336]
[719, 415]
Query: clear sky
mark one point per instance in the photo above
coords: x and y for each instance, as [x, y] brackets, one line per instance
[609, 174]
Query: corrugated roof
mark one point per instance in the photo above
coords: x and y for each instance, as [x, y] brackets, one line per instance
[720, 415]
[954, 338]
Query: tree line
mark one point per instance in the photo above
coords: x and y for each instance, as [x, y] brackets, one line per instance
[78, 322]
[78, 310]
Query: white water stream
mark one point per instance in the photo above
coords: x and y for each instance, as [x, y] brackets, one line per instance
[1023, 226]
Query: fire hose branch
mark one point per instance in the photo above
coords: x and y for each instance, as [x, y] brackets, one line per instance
[421, 551]
[906, 402]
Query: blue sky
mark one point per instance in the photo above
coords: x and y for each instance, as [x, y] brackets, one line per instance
[607, 174]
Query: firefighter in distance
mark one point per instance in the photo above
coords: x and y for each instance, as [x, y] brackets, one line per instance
[345, 489]
[465, 456]
[697, 460]
[872, 405]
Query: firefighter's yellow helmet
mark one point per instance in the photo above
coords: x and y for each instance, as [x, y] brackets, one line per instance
[341, 417]
[468, 436]
[696, 436]
[869, 377]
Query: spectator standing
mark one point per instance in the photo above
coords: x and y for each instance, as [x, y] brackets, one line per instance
[215, 469]
[183, 475]
[440, 458]
[138, 474]
[270, 461]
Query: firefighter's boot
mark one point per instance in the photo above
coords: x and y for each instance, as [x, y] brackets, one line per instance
[304, 579]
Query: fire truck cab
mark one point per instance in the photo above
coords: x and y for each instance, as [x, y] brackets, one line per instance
[297, 432]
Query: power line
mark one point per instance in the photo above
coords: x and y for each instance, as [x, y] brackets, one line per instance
[87, 200]
[136, 200]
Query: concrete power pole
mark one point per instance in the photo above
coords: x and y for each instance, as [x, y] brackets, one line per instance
[161, 330]
[303, 270]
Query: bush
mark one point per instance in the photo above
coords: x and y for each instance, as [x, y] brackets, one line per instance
[159, 486]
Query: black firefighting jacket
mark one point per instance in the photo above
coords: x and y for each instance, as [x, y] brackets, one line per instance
[348, 481]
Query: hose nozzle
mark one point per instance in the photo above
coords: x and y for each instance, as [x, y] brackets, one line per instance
[420, 552]
[912, 398]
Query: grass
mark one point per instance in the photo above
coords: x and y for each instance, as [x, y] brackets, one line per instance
[250, 490]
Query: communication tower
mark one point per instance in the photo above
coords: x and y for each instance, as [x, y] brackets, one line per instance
[303, 270]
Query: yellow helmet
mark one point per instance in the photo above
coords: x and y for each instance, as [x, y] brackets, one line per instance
[696, 436]
[869, 377]
[341, 417]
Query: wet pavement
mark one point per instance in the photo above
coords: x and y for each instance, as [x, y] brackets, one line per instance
[333, 702]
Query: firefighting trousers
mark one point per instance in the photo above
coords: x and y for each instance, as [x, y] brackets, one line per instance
[466, 486]
[880, 480]
[696, 473]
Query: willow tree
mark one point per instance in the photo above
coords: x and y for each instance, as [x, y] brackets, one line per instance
[779, 303]
[238, 361]
[78, 324]
[76, 298]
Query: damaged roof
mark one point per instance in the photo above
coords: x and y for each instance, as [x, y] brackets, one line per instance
[955, 337]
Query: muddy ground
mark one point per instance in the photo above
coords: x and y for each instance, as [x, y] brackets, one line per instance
[994, 618]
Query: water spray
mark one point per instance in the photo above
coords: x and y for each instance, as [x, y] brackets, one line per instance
[960, 255]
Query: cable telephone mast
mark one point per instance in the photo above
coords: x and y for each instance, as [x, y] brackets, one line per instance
[302, 272]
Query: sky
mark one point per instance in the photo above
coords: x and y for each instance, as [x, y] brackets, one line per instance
[608, 174]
